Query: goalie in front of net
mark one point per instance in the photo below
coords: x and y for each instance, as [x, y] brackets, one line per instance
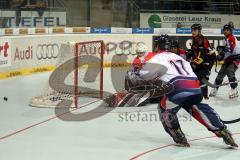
[171, 78]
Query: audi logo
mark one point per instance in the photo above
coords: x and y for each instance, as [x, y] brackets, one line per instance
[47, 51]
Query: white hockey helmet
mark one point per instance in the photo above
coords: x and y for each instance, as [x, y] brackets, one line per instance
[141, 48]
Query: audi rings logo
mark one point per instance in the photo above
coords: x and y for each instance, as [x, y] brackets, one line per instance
[47, 51]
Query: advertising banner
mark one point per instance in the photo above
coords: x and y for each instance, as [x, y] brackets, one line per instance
[142, 30]
[32, 19]
[117, 30]
[101, 30]
[43, 50]
[39, 51]
[5, 52]
[168, 20]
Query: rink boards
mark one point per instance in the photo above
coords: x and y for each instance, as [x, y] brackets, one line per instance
[29, 54]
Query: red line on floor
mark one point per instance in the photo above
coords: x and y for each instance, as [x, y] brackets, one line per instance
[155, 149]
[47, 120]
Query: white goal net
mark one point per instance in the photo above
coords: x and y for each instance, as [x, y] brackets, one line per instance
[79, 72]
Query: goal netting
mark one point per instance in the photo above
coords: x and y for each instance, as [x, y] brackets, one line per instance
[78, 73]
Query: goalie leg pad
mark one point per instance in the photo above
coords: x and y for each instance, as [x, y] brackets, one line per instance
[126, 99]
[114, 99]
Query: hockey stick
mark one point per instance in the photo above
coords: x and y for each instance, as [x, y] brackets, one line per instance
[231, 121]
[205, 81]
[232, 82]
[216, 64]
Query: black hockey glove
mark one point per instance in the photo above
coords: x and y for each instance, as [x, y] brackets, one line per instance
[189, 55]
[221, 52]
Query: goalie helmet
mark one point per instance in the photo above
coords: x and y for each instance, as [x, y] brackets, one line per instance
[141, 48]
[163, 42]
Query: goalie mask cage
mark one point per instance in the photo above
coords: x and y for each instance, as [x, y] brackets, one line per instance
[78, 73]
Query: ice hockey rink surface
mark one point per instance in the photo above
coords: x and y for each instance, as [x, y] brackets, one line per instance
[29, 133]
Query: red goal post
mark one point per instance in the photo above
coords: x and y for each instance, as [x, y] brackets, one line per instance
[76, 64]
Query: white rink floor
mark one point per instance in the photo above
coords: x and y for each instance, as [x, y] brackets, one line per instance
[28, 133]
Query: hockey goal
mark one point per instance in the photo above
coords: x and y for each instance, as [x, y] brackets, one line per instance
[78, 73]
